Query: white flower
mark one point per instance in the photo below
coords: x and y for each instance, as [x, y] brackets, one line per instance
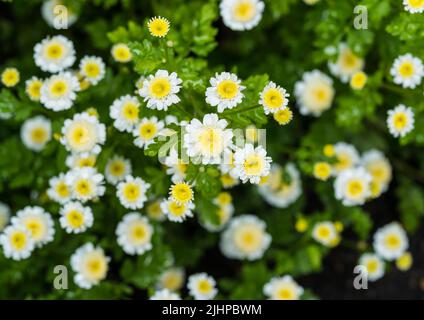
[347, 63]
[83, 133]
[378, 166]
[75, 218]
[117, 168]
[325, 233]
[201, 286]
[373, 264]
[4, 215]
[132, 192]
[17, 242]
[90, 265]
[134, 234]
[172, 279]
[251, 164]
[390, 241]
[314, 93]
[85, 183]
[208, 140]
[175, 211]
[59, 190]
[146, 131]
[352, 186]
[80, 160]
[176, 167]
[125, 111]
[241, 15]
[407, 71]
[400, 120]
[92, 68]
[33, 88]
[160, 90]
[283, 288]
[54, 54]
[278, 192]
[59, 91]
[165, 294]
[414, 6]
[50, 15]
[346, 155]
[36, 133]
[38, 222]
[245, 238]
[225, 91]
[273, 98]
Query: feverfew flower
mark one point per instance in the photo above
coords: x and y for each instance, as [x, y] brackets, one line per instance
[117, 168]
[17, 242]
[414, 6]
[54, 54]
[407, 71]
[10, 77]
[33, 88]
[353, 187]
[241, 15]
[314, 93]
[177, 212]
[404, 262]
[347, 63]
[146, 131]
[4, 215]
[131, 192]
[322, 170]
[121, 53]
[85, 183]
[283, 116]
[59, 190]
[165, 294]
[390, 241]
[181, 192]
[50, 15]
[201, 286]
[207, 140]
[92, 69]
[346, 155]
[176, 167]
[36, 133]
[90, 265]
[273, 98]
[225, 212]
[160, 90]
[83, 133]
[225, 91]
[134, 234]
[251, 164]
[75, 218]
[158, 27]
[283, 288]
[125, 111]
[245, 238]
[400, 120]
[80, 160]
[59, 91]
[325, 233]
[378, 166]
[172, 279]
[358, 80]
[374, 266]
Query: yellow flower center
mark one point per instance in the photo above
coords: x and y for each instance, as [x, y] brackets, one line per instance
[117, 168]
[18, 240]
[84, 187]
[35, 227]
[75, 219]
[58, 88]
[344, 161]
[350, 60]
[372, 266]
[33, 89]
[87, 162]
[328, 150]
[62, 190]
[392, 241]
[248, 238]
[358, 80]
[182, 192]
[224, 198]
[273, 98]
[355, 188]
[122, 53]
[322, 170]
[131, 191]
[39, 135]
[406, 69]
[285, 294]
[172, 281]
[283, 116]
[96, 266]
[92, 69]
[204, 286]
[227, 89]
[244, 11]
[323, 232]
[10, 77]
[404, 262]
[253, 165]
[227, 180]
[154, 210]
[54, 51]
[211, 141]
[176, 209]
[416, 4]
[158, 27]
[160, 88]
[400, 121]
[148, 130]
[130, 111]
[139, 233]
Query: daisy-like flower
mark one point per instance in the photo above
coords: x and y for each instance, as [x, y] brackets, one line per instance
[83, 133]
[201, 286]
[90, 265]
[75, 218]
[33, 88]
[172, 279]
[158, 26]
[400, 120]
[146, 131]
[4, 215]
[346, 155]
[207, 140]
[241, 15]
[358, 80]
[251, 164]
[225, 212]
[346, 64]
[131, 192]
[176, 167]
[322, 170]
[80, 160]
[121, 53]
[92, 69]
[283, 288]
[125, 111]
[325, 233]
[54, 54]
[38, 222]
[160, 90]
[374, 266]
[59, 91]
[245, 238]
[273, 98]
[390, 241]
[17, 242]
[59, 190]
[85, 183]
[414, 6]
[181, 192]
[175, 211]
[404, 262]
[10, 77]
[134, 234]
[50, 15]
[283, 116]
[314, 93]
[36, 133]
[154, 210]
[353, 186]
[378, 166]
[117, 168]
[165, 294]
[407, 71]
[228, 181]
[225, 91]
